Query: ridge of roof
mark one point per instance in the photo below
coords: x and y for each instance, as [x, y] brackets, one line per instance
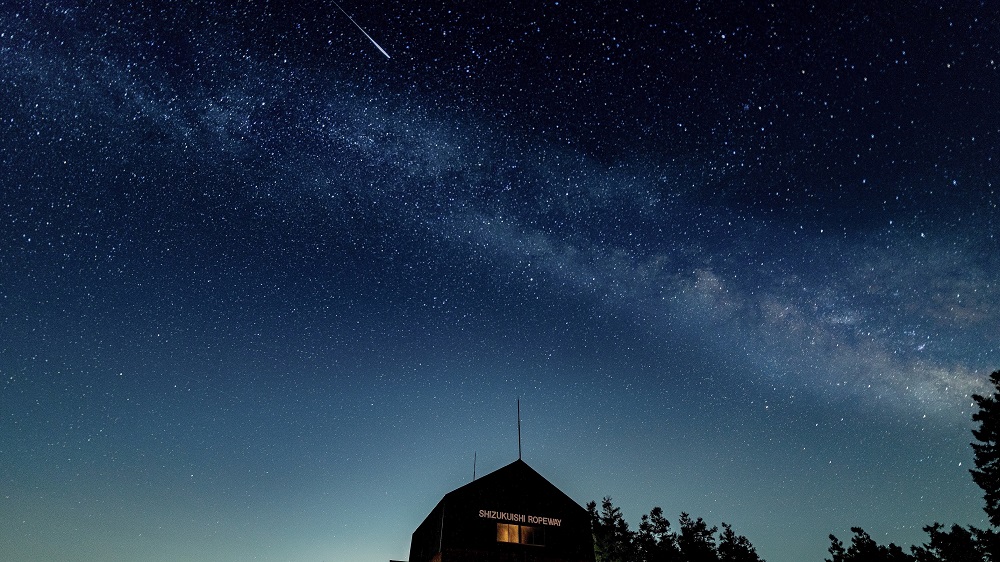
[517, 466]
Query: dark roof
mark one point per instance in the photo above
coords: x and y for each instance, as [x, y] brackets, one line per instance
[515, 479]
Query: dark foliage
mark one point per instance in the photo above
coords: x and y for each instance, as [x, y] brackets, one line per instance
[958, 545]
[697, 540]
[655, 541]
[987, 543]
[987, 449]
[613, 541]
[735, 548]
[864, 549]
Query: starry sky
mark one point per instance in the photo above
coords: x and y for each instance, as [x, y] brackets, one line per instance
[266, 291]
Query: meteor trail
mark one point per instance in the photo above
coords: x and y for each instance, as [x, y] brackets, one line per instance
[362, 30]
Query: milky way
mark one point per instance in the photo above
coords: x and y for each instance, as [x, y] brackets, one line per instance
[266, 291]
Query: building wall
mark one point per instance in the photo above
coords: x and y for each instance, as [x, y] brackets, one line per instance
[479, 556]
[512, 514]
[427, 539]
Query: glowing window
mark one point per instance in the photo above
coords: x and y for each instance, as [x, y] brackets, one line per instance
[523, 534]
[507, 532]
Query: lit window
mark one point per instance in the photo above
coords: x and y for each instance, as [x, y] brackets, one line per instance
[523, 534]
[508, 533]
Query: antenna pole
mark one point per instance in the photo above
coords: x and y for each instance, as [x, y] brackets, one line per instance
[473, 466]
[518, 429]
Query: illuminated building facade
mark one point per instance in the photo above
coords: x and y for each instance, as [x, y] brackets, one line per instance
[512, 514]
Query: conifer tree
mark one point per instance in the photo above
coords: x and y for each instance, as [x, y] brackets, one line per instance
[987, 449]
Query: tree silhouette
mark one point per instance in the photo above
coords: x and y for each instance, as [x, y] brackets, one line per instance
[613, 542]
[864, 549]
[959, 545]
[987, 450]
[697, 540]
[735, 548]
[655, 541]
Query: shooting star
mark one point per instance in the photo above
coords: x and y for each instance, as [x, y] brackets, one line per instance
[379, 47]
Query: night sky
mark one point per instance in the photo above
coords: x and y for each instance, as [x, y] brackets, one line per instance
[265, 291]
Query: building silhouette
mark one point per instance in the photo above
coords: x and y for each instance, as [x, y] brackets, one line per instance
[510, 515]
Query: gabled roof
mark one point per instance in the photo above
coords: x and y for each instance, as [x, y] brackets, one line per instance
[517, 478]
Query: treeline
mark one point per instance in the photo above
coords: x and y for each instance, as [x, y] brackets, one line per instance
[959, 544]
[956, 544]
[695, 541]
[655, 541]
